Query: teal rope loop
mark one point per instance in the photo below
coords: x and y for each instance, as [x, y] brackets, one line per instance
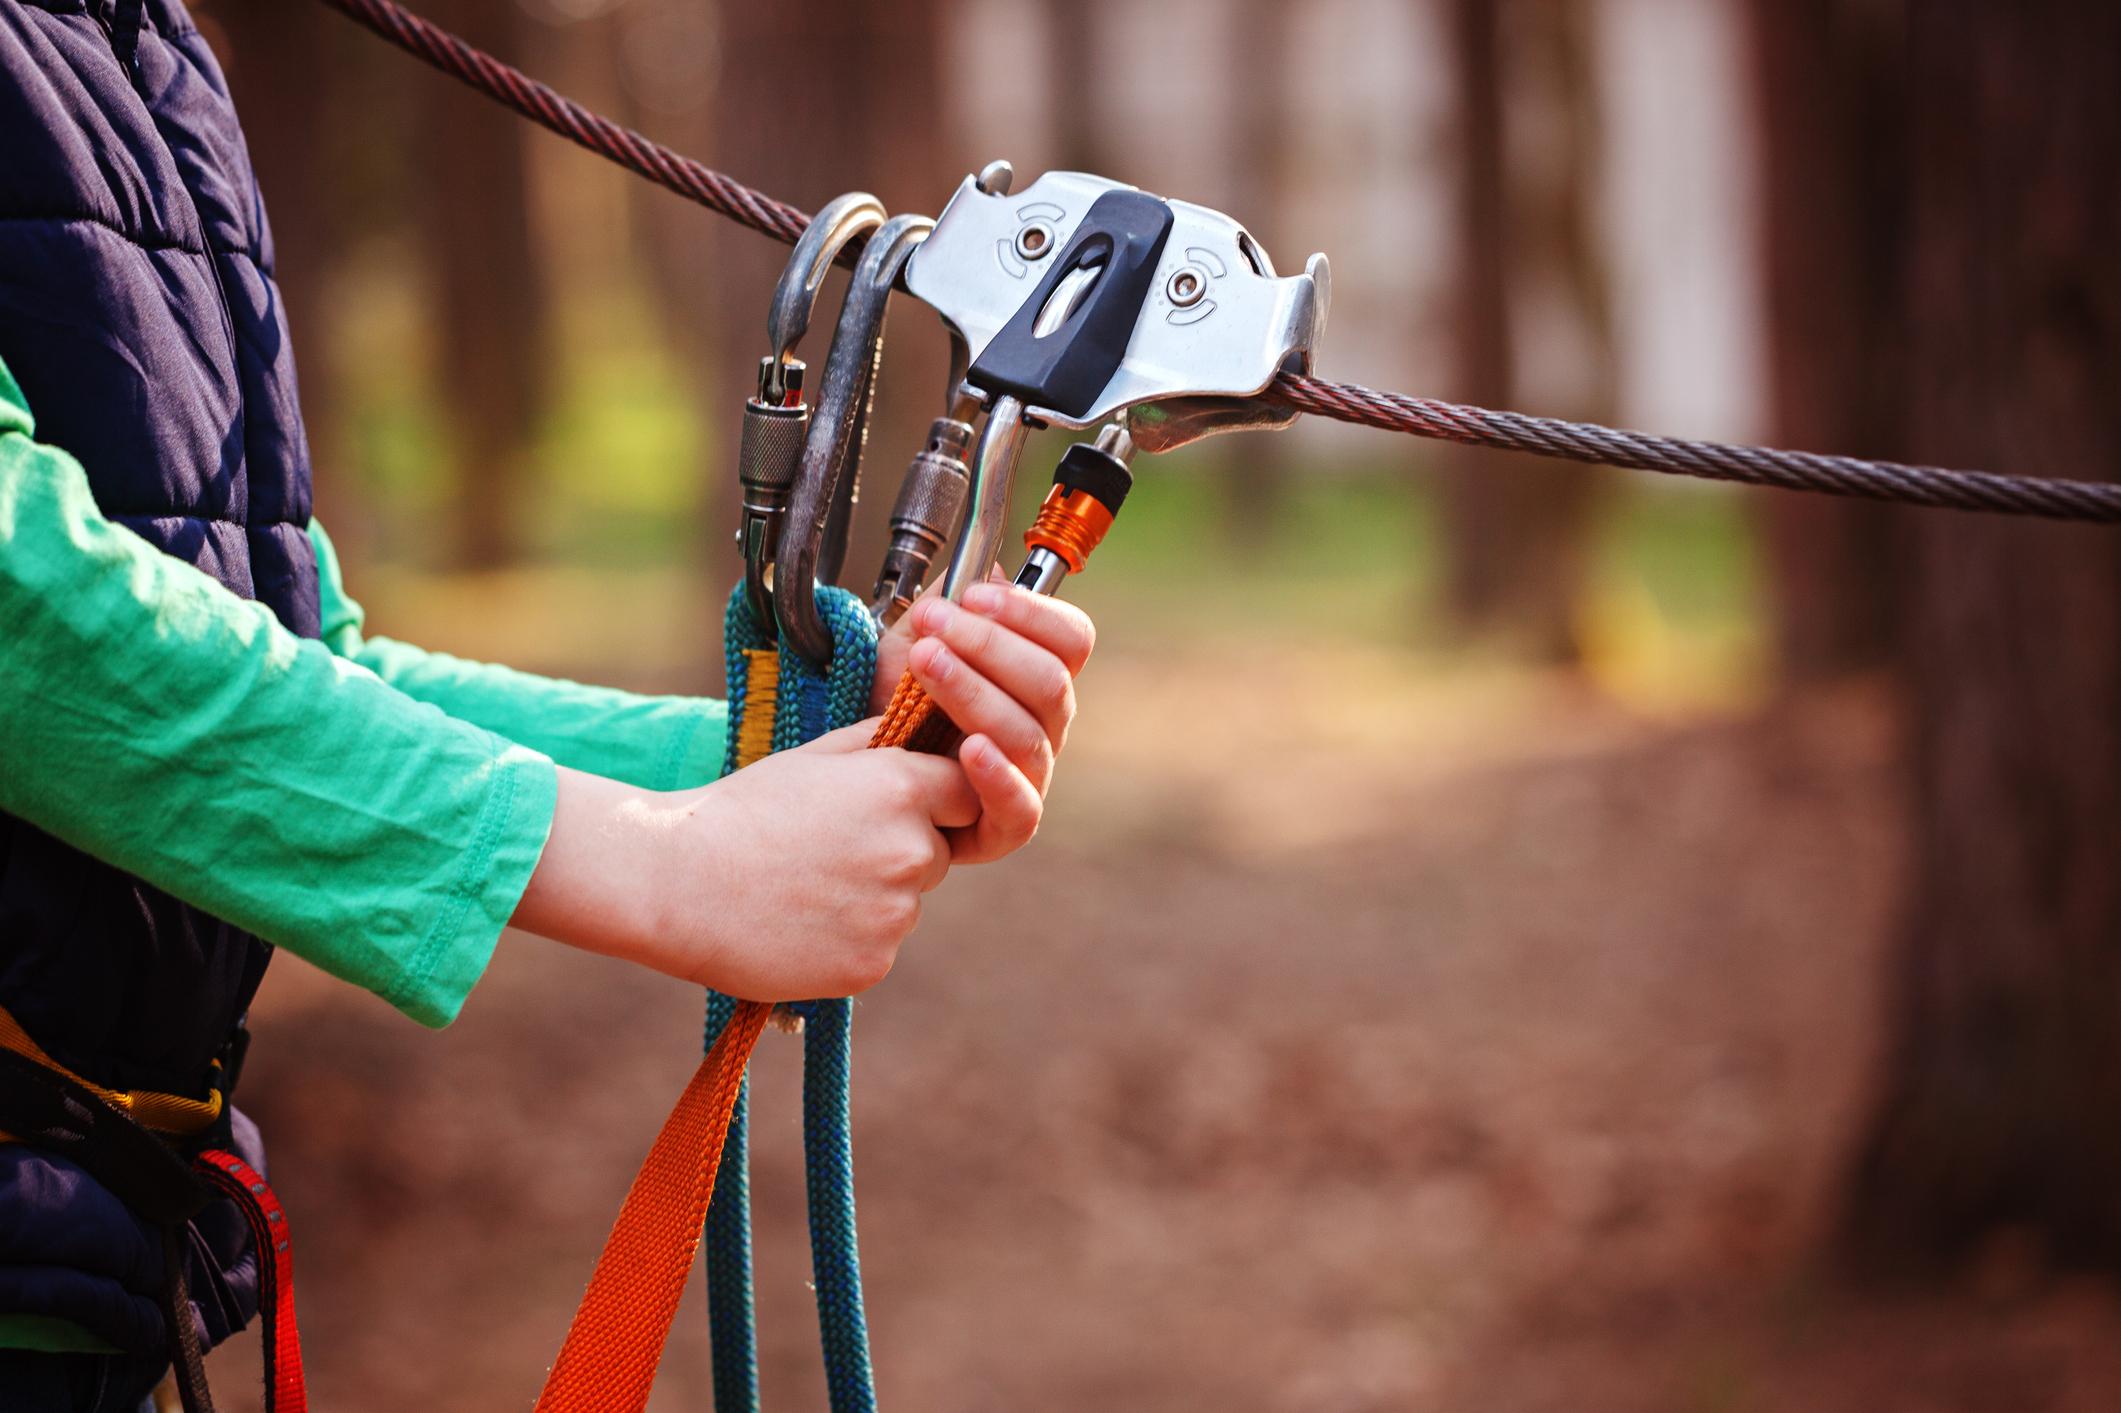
[731, 1313]
[811, 702]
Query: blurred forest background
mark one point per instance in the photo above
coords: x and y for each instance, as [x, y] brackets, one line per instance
[1673, 963]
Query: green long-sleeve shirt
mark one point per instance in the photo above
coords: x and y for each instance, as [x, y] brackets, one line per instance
[372, 808]
[368, 806]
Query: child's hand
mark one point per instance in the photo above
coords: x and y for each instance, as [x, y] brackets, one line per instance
[798, 876]
[1003, 667]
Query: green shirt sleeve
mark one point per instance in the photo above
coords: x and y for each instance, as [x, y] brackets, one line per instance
[155, 720]
[657, 743]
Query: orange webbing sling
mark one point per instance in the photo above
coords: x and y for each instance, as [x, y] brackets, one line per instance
[608, 1361]
[915, 722]
[609, 1358]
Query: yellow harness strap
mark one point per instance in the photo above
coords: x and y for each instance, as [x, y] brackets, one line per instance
[165, 1113]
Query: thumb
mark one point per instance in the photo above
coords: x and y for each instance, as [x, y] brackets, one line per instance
[892, 653]
[845, 741]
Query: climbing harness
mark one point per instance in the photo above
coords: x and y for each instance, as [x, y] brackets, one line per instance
[162, 1156]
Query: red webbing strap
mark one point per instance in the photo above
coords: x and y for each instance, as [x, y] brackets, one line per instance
[607, 1362]
[284, 1389]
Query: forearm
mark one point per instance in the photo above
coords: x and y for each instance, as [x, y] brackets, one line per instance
[586, 881]
[153, 719]
[593, 886]
[657, 742]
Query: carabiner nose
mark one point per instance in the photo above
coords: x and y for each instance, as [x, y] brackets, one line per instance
[776, 418]
[831, 461]
[843, 220]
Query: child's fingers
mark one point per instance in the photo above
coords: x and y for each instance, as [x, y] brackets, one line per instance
[1030, 674]
[945, 855]
[1054, 624]
[979, 706]
[941, 790]
[1010, 804]
[844, 740]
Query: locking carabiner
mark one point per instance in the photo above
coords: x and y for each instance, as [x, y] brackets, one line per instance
[931, 500]
[931, 495]
[776, 419]
[813, 538]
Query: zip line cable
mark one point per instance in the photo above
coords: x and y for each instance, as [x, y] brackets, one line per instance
[2097, 501]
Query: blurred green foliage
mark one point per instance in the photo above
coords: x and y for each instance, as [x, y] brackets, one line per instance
[630, 483]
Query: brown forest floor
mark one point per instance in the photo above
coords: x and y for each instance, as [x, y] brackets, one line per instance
[1487, 1048]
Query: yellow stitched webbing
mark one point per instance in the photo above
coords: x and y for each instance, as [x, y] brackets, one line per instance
[762, 687]
[165, 1113]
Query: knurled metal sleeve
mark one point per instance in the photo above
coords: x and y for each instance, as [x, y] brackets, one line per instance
[932, 495]
[769, 448]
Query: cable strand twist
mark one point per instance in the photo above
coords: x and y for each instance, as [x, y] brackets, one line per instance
[2053, 498]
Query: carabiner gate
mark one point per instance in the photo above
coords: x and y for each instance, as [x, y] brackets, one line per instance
[776, 418]
[813, 533]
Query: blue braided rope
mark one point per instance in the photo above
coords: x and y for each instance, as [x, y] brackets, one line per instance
[810, 703]
[732, 1320]
[826, 701]
[828, 1171]
[838, 695]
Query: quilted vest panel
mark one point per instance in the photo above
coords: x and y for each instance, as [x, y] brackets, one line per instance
[138, 312]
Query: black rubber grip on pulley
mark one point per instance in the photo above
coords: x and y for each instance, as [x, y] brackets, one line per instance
[1123, 233]
[1098, 474]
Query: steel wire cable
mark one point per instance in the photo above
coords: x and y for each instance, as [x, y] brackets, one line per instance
[1719, 461]
[2053, 498]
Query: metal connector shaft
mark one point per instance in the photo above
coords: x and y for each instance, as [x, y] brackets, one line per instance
[931, 500]
[1001, 446]
[1042, 572]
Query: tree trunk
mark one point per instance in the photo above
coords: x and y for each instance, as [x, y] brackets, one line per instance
[1830, 94]
[1073, 75]
[1998, 1106]
[1253, 469]
[488, 291]
[1515, 526]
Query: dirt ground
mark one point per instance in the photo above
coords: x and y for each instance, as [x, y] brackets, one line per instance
[1438, 1043]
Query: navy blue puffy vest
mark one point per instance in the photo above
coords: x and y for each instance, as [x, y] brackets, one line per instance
[138, 313]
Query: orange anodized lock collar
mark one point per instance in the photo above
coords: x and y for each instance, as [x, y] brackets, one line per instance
[1088, 490]
[1071, 524]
